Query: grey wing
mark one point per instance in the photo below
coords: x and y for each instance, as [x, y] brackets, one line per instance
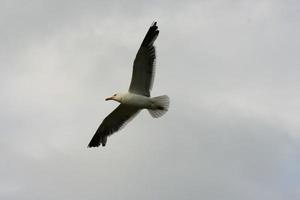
[144, 64]
[112, 123]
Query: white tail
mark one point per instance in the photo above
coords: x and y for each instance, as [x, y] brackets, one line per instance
[161, 106]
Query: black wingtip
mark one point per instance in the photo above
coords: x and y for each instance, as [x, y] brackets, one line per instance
[91, 145]
[151, 35]
[97, 140]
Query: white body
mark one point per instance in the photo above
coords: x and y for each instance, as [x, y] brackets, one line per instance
[157, 106]
[139, 101]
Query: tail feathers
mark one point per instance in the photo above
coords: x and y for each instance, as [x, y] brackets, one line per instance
[161, 106]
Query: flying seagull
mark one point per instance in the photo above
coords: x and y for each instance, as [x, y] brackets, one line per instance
[138, 96]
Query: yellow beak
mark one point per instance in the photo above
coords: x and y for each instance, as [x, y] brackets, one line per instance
[109, 98]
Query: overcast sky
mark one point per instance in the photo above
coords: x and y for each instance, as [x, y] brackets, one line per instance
[231, 69]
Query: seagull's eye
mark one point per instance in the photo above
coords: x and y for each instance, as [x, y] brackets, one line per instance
[115, 95]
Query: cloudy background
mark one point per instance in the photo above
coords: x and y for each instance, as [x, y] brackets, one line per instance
[231, 69]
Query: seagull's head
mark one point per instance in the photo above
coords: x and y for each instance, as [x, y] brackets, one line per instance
[116, 97]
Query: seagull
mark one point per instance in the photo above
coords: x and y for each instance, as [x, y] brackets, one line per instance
[138, 95]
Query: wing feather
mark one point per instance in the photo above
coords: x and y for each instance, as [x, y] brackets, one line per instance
[144, 64]
[117, 119]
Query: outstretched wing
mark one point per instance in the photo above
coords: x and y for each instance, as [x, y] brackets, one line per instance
[144, 64]
[112, 123]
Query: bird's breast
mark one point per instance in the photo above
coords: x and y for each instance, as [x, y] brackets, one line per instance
[137, 100]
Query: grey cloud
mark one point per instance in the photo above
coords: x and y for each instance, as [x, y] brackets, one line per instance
[230, 69]
[236, 157]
